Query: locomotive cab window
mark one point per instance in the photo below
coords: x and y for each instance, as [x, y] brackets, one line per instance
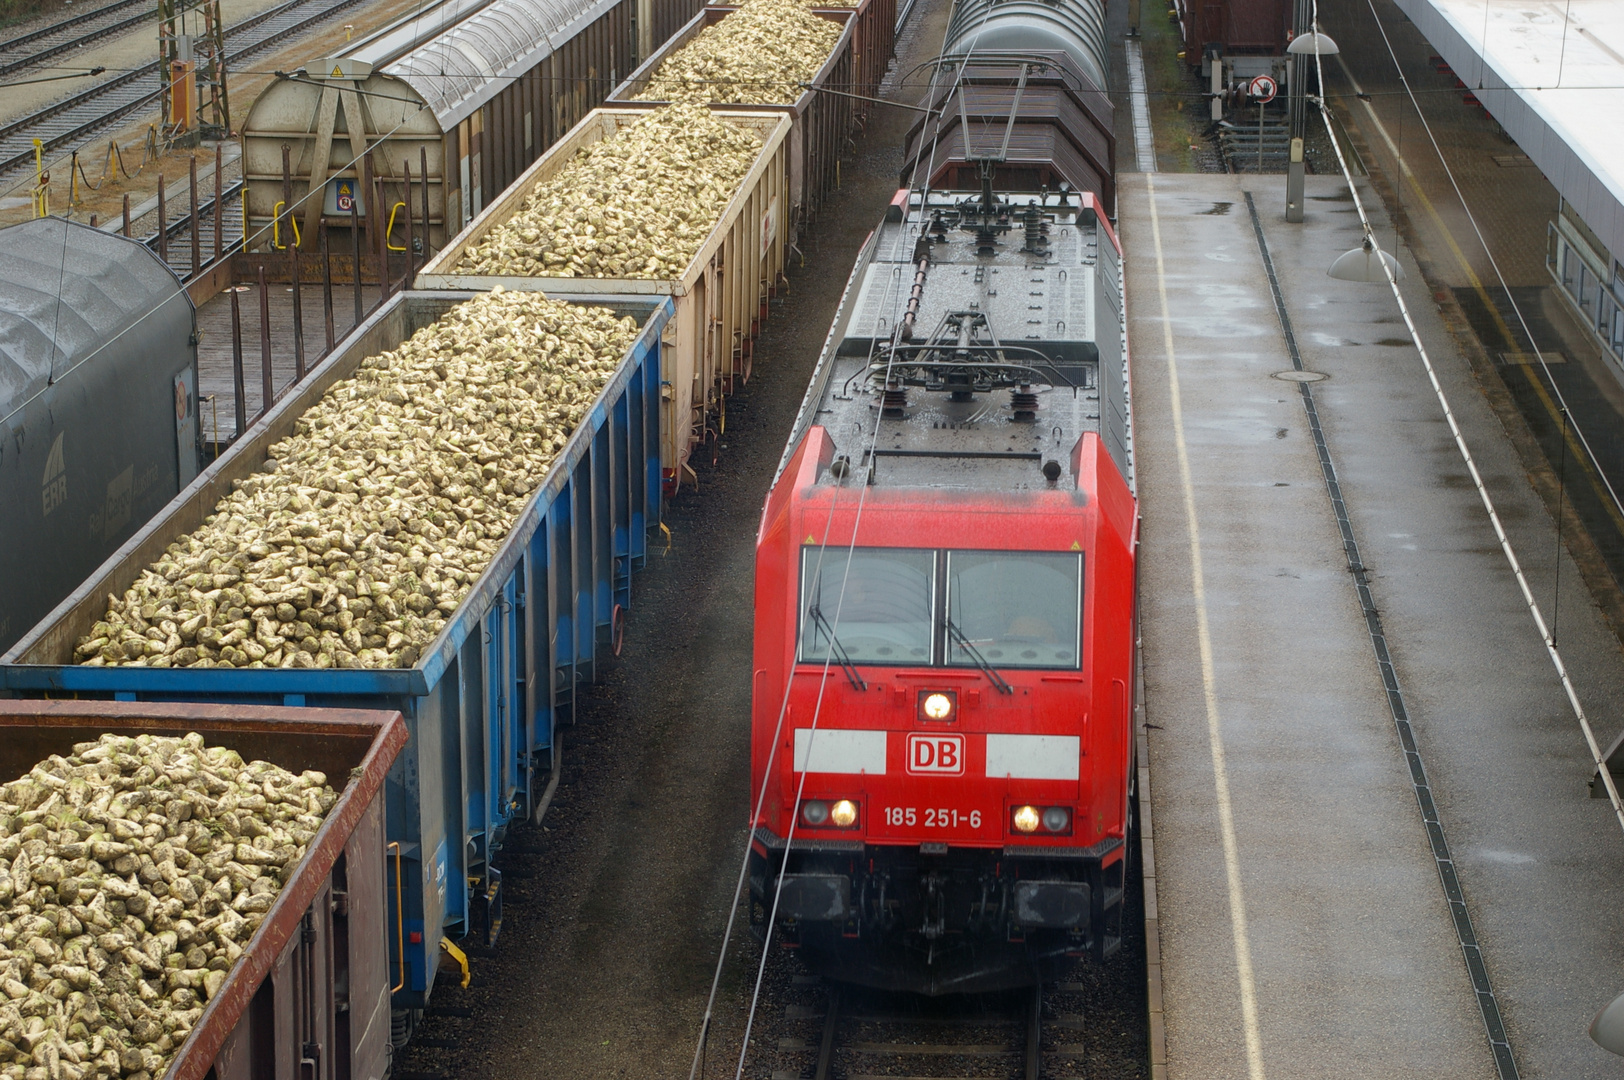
[1014, 608]
[872, 605]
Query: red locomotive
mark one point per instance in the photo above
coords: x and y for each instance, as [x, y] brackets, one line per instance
[945, 599]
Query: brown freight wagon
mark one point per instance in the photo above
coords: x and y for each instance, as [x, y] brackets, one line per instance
[310, 997]
[820, 123]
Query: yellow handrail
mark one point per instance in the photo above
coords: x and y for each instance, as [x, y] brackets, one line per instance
[391, 228]
[276, 227]
[400, 919]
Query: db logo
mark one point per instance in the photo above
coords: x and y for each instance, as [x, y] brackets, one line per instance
[939, 754]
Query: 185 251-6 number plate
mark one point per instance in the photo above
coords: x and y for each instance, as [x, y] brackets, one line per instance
[932, 817]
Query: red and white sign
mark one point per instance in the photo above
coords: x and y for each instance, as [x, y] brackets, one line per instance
[1262, 89]
[936, 755]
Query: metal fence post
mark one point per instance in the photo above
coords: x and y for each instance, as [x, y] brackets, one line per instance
[381, 232]
[423, 171]
[197, 241]
[267, 391]
[406, 197]
[219, 210]
[238, 388]
[163, 222]
[355, 247]
[327, 285]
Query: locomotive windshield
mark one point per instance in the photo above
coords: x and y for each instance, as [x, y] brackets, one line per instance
[875, 603]
[1017, 609]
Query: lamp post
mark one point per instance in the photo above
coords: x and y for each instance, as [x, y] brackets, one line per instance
[1302, 46]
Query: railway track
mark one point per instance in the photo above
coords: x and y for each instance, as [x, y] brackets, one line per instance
[175, 246]
[859, 1034]
[28, 50]
[63, 122]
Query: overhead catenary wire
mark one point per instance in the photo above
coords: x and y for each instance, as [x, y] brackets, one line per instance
[1546, 635]
[1184, 95]
[1568, 421]
[892, 287]
[895, 299]
[1593, 462]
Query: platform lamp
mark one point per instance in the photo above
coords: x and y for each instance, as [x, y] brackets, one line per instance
[1364, 263]
[1301, 47]
[1607, 1029]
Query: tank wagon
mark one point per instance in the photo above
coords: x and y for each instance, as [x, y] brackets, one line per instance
[945, 586]
[1036, 116]
[309, 997]
[483, 701]
[98, 405]
[476, 88]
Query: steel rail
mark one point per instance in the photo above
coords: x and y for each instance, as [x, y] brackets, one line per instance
[1034, 1027]
[143, 95]
[1029, 1022]
[75, 20]
[33, 59]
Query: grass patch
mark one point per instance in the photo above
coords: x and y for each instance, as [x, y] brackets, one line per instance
[1176, 107]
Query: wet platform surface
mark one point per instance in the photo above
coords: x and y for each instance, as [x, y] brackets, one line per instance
[1305, 931]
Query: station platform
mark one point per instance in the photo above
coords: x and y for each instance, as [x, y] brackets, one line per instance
[1304, 924]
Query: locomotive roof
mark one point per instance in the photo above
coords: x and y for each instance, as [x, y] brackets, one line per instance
[1061, 303]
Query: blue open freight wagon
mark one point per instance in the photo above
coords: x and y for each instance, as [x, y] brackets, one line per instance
[483, 702]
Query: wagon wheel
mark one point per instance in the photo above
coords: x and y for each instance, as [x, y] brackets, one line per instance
[617, 628]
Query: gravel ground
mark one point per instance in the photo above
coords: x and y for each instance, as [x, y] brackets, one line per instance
[616, 904]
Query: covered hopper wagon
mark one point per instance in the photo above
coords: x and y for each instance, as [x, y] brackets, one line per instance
[476, 89]
[98, 405]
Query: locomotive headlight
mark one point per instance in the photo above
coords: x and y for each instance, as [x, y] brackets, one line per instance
[843, 813]
[937, 705]
[1056, 818]
[814, 812]
[1026, 819]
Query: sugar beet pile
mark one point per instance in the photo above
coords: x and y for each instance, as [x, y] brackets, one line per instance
[138, 870]
[635, 205]
[375, 517]
[760, 54]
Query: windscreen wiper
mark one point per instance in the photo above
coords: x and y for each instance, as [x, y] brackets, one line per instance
[835, 648]
[981, 661]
